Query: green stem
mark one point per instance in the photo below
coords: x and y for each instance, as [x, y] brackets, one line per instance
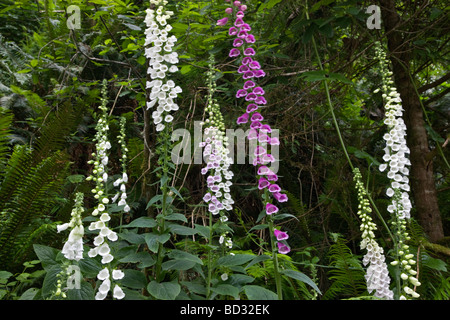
[208, 280]
[164, 191]
[274, 253]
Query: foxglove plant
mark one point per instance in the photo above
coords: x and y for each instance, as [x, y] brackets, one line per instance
[217, 159]
[162, 59]
[217, 169]
[250, 71]
[397, 162]
[122, 192]
[377, 274]
[105, 234]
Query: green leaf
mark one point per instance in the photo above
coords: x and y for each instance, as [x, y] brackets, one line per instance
[234, 260]
[259, 293]
[76, 178]
[363, 155]
[5, 275]
[153, 240]
[50, 280]
[182, 230]
[257, 260]
[132, 237]
[142, 222]
[133, 279]
[174, 190]
[29, 294]
[153, 200]
[226, 290]
[86, 292]
[89, 267]
[143, 258]
[301, 277]
[175, 217]
[46, 255]
[183, 255]
[178, 265]
[164, 290]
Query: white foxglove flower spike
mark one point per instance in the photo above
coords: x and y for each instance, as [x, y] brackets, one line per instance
[162, 59]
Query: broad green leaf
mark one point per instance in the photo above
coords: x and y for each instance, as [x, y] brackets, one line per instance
[183, 255]
[175, 217]
[226, 290]
[142, 222]
[132, 237]
[178, 265]
[164, 290]
[153, 240]
[234, 260]
[5, 275]
[259, 293]
[50, 280]
[133, 279]
[46, 255]
[182, 230]
[29, 294]
[301, 277]
[144, 259]
[86, 292]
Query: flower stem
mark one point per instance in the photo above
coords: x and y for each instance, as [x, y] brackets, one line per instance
[274, 252]
[208, 279]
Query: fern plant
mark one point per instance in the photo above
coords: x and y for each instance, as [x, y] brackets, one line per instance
[27, 194]
[347, 274]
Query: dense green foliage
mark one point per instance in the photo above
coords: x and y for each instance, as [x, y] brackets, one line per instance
[50, 101]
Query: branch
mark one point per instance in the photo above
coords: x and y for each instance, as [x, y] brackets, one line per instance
[434, 83]
[437, 97]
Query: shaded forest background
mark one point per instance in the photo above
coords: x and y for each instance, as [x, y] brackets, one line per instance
[50, 84]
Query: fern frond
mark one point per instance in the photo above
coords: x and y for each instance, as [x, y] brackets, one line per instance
[347, 273]
[6, 118]
[28, 195]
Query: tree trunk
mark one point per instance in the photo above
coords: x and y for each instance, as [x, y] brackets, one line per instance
[421, 174]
